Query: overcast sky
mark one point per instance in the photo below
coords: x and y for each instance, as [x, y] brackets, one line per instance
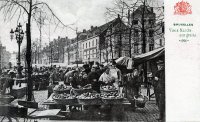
[83, 13]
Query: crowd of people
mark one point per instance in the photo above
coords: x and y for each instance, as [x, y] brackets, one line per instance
[96, 75]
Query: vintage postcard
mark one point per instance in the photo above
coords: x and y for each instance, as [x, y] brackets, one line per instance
[99, 60]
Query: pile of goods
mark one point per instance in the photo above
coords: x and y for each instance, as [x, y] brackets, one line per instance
[111, 98]
[85, 89]
[88, 95]
[64, 98]
[5, 99]
[88, 86]
[108, 89]
[111, 95]
[62, 88]
[89, 98]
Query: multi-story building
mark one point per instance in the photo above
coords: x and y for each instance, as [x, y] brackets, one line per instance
[113, 42]
[147, 34]
[105, 42]
[159, 36]
[74, 49]
[13, 59]
[4, 57]
[90, 46]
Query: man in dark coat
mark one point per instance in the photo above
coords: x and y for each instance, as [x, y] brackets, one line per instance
[160, 78]
[93, 78]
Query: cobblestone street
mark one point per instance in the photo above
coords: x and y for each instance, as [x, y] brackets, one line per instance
[147, 114]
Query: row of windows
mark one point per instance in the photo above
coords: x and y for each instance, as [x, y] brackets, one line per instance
[86, 57]
[136, 33]
[150, 21]
[90, 52]
[151, 46]
[89, 44]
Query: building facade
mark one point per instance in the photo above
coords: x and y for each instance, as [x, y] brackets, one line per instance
[13, 59]
[4, 57]
[147, 34]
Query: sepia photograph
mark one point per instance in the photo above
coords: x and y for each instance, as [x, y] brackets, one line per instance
[82, 60]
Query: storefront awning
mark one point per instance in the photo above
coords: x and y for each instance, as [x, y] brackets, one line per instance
[149, 55]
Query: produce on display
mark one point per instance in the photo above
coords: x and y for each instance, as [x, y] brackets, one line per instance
[88, 95]
[81, 90]
[108, 88]
[88, 86]
[111, 95]
[62, 87]
[63, 96]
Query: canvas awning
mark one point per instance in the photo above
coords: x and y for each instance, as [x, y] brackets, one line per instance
[149, 55]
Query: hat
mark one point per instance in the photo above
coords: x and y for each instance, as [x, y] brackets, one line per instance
[160, 62]
[113, 62]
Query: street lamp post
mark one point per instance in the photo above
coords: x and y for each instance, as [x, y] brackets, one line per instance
[19, 35]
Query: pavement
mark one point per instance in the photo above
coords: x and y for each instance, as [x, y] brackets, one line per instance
[147, 114]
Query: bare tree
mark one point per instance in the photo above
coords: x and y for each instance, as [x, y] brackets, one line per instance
[28, 9]
[124, 8]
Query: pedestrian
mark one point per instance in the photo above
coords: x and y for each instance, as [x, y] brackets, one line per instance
[106, 78]
[133, 85]
[87, 68]
[160, 79]
[116, 73]
[52, 82]
[69, 77]
[93, 78]
[4, 84]
[83, 79]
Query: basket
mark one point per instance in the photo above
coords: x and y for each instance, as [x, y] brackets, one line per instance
[65, 101]
[92, 101]
[81, 91]
[67, 91]
[108, 91]
[5, 99]
[140, 103]
[112, 100]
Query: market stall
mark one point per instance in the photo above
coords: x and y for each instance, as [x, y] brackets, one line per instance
[85, 96]
[150, 58]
